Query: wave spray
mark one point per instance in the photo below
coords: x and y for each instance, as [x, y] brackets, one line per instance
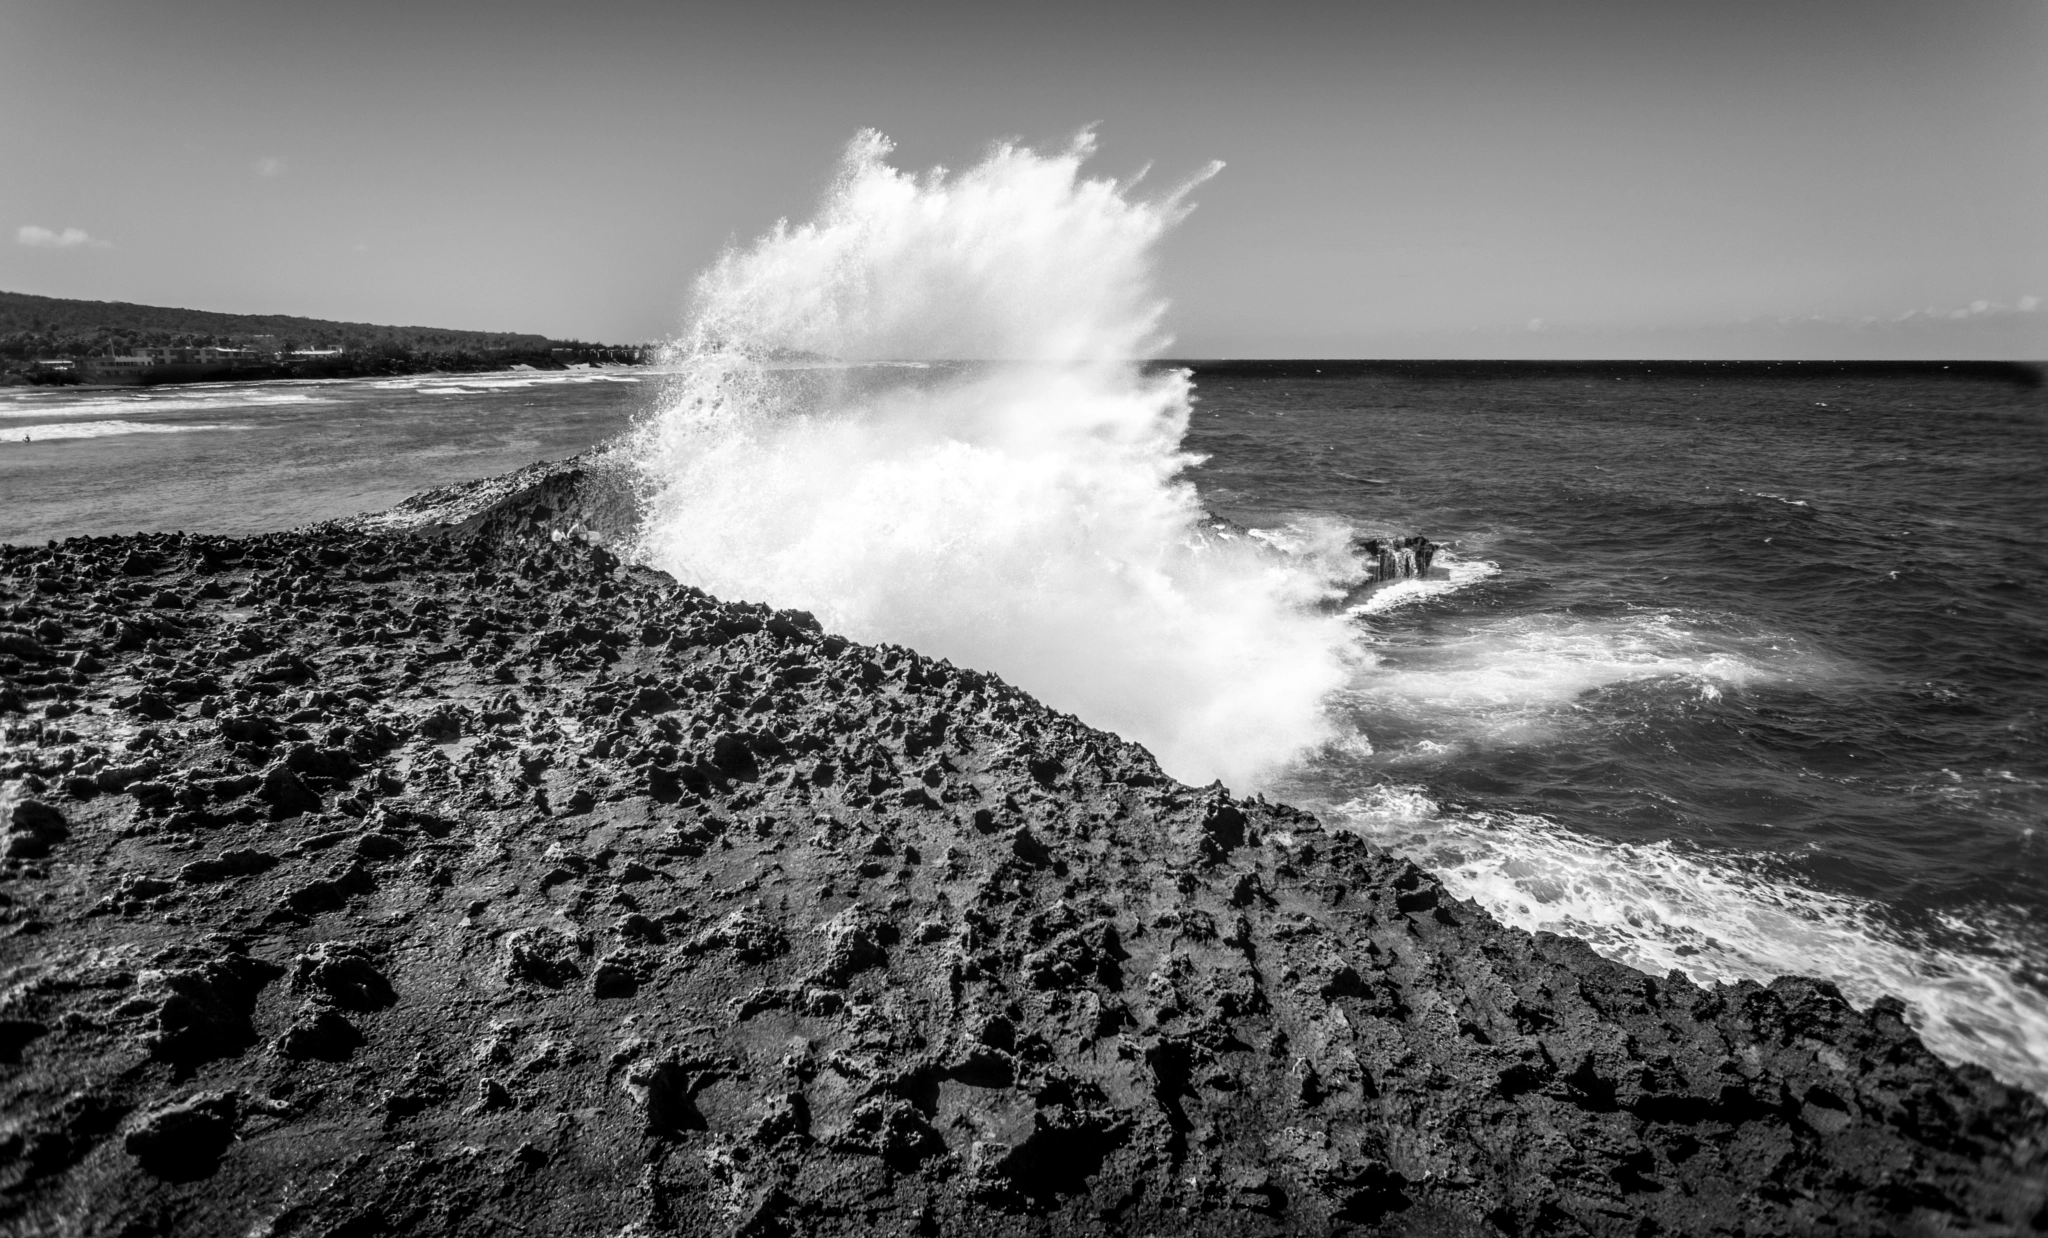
[921, 416]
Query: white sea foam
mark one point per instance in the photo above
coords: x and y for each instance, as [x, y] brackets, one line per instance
[1519, 677]
[1458, 574]
[1318, 543]
[465, 384]
[1028, 517]
[149, 402]
[101, 429]
[1658, 907]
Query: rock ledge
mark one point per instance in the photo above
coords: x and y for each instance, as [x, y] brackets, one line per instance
[440, 874]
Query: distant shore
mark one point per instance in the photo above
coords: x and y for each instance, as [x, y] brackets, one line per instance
[55, 341]
[366, 366]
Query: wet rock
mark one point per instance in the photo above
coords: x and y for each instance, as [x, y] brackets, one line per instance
[1390, 559]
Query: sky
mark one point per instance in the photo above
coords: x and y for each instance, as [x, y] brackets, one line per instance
[1437, 178]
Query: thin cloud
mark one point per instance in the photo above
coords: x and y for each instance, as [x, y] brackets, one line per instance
[1975, 309]
[46, 238]
[269, 166]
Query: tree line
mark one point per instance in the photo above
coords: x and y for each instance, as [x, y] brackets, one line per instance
[34, 328]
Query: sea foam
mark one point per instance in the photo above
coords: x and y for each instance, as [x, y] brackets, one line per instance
[1722, 918]
[101, 429]
[1025, 512]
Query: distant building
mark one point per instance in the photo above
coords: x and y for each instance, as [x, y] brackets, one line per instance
[118, 369]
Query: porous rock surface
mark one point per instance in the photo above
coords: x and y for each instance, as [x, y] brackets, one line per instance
[452, 877]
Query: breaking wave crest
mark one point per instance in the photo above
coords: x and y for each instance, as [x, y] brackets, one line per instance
[918, 416]
[1019, 506]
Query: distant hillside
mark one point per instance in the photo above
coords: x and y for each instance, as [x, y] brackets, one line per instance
[55, 325]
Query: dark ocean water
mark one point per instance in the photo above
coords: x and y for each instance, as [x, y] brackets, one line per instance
[1747, 671]
[1736, 671]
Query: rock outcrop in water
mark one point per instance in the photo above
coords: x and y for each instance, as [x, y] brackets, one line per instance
[1386, 560]
[460, 878]
[1396, 558]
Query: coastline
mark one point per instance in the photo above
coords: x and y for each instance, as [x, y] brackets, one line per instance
[373, 366]
[440, 857]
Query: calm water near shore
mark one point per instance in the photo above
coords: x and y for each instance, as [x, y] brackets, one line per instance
[250, 457]
[1740, 674]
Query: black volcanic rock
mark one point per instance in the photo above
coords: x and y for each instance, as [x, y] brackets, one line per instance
[184, 1139]
[495, 886]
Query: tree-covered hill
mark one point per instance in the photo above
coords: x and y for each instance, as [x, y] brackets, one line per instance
[55, 325]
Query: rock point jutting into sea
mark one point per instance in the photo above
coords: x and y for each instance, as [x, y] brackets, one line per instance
[440, 873]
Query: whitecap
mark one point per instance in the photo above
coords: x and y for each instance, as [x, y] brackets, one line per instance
[210, 401]
[102, 429]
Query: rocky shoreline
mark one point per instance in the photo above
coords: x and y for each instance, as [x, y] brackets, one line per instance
[440, 874]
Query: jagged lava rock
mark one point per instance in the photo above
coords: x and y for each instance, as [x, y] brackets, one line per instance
[455, 877]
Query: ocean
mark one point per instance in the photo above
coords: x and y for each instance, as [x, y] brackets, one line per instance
[252, 457]
[1736, 670]
[1739, 673]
